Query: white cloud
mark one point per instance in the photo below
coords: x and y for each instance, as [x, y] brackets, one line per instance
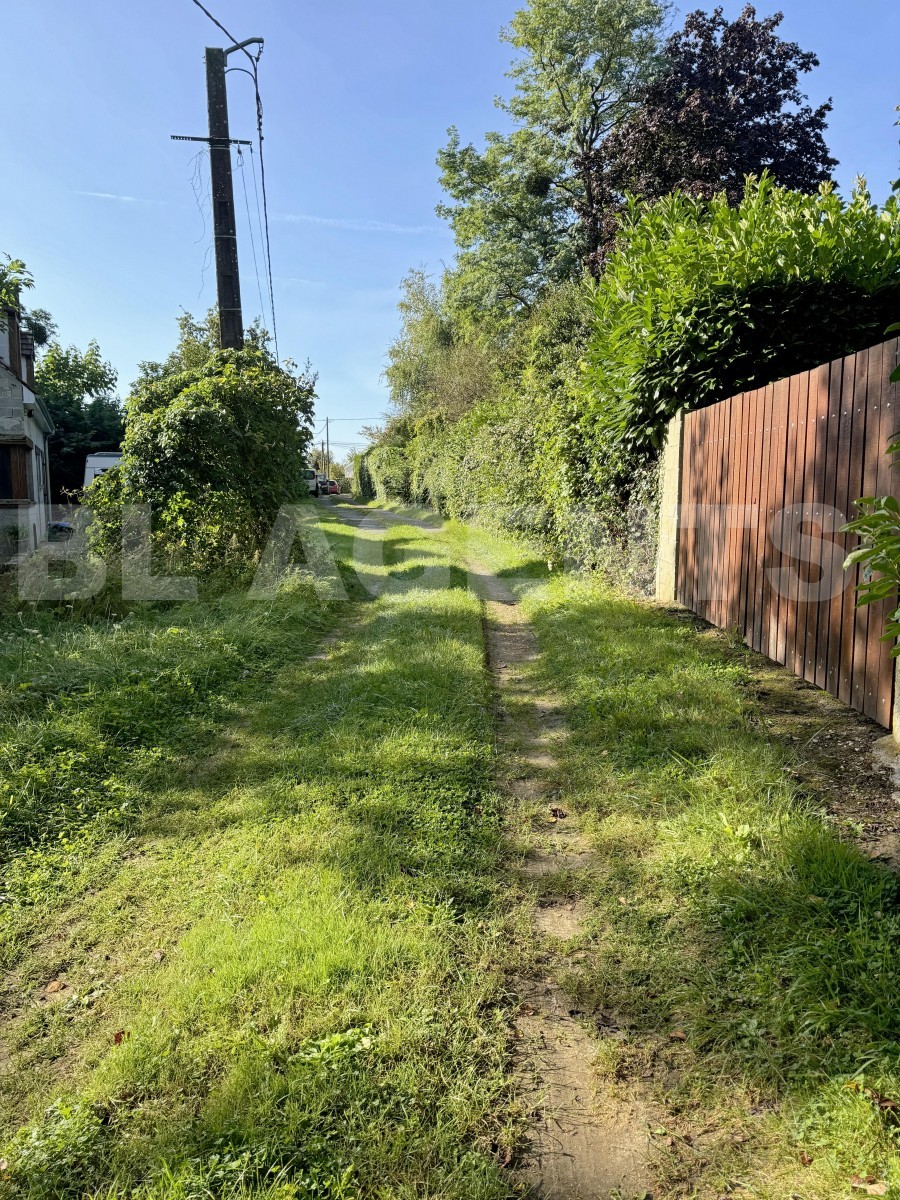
[122, 199]
[357, 225]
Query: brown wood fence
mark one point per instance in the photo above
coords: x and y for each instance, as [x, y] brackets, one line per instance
[768, 478]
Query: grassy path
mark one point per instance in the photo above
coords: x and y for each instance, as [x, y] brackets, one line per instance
[281, 915]
[285, 978]
[743, 960]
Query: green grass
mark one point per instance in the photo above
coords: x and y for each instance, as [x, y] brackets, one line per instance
[267, 893]
[725, 908]
[277, 974]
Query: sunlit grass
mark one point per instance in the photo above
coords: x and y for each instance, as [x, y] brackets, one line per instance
[752, 955]
[286, 980]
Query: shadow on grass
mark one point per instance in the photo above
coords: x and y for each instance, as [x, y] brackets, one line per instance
[330, 1024]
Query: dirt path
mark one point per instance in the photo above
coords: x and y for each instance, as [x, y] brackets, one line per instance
[583, 1145]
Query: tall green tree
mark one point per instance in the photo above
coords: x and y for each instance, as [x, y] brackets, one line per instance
[79, 390]
[728, 104]
[433, 370]
[523, 207]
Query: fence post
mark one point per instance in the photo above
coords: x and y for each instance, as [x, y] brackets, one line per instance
[669, 503]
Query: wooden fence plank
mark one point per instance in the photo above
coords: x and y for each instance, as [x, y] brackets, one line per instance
[788, 460]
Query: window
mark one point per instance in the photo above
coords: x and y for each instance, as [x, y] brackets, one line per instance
[15, 473]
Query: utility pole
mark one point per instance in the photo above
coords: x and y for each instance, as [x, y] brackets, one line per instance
[327, 450]
[228, 282]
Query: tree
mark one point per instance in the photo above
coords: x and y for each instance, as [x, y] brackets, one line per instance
[14, 276]
[40, 324]
[433, 370]
[523, 211]
[79, 390]
[727, 105]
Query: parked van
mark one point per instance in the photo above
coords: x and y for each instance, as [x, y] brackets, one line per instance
[98, 463]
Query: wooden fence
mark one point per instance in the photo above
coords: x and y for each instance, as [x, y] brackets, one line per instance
[768, 478]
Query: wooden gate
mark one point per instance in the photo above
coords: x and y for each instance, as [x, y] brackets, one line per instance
[768, 478]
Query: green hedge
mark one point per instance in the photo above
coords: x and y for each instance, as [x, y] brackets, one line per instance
[701, 301]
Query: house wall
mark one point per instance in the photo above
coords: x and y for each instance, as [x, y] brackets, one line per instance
[22, 423]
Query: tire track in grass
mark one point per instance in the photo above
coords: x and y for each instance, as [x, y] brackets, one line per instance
[580, 1147]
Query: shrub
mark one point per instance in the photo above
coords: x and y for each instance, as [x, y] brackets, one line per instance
[701, 301]
[215, 448]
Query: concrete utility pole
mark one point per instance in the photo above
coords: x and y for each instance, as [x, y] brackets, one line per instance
[228, 282]
[327, 450]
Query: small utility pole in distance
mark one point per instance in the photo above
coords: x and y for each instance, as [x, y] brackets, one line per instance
[228, 282]
[327, 450]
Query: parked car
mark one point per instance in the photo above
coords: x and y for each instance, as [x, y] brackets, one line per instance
[312, 481]
[333, 489]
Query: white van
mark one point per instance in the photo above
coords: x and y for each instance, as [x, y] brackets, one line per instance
[98, 463]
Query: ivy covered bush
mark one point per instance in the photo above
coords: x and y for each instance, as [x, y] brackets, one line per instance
[215, 442]
[701, 301]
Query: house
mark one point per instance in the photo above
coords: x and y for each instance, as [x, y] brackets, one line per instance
[25, 429]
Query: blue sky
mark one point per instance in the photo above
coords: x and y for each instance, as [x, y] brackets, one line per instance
[100, 204]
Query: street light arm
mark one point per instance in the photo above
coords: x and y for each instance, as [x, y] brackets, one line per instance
[256, 41]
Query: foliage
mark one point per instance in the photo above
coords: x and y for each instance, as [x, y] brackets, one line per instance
[878, 528]
[14, 277]
[40, 324]
[522, 458]
[78, 389]
[516, 203]
[215, 443]
[701, 301]
[726, 105]
[433, 369]
[363, 484]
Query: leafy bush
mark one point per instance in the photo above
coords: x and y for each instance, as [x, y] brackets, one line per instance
[363, 484]
[701, 301]
[527, 459]
[215, 448]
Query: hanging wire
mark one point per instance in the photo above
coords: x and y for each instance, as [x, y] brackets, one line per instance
[203, 196]
[262, 306]
[254, 62]
[260, 223]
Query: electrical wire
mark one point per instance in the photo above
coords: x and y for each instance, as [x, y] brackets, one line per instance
[219, 25]
[204, 202]
[262, 306]
[260, 225]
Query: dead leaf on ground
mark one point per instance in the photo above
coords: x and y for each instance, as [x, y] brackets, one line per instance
[55, 985]
[806, 1160]
[120, 1036]
[159, 955]
[677, 1035]
[559, 814]
[869, 1185]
